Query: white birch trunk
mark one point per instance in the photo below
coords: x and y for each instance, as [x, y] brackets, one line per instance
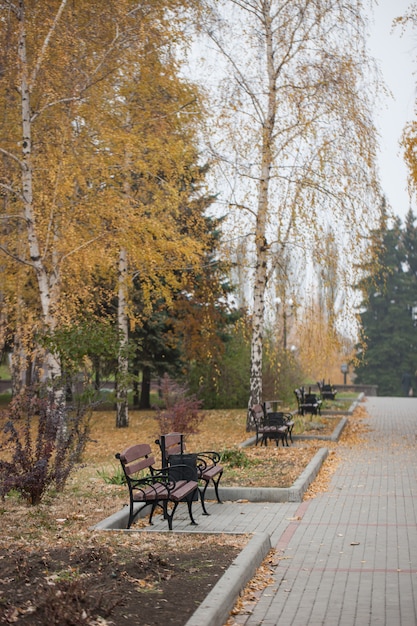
[122, 417]
[47, 285]
[262, 248]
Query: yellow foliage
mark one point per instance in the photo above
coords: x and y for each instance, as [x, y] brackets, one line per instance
[110, 161]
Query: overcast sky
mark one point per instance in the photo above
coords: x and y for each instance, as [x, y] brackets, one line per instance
[395, 55]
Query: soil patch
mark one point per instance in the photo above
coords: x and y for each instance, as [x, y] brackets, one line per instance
[110, 584]
[322, 426]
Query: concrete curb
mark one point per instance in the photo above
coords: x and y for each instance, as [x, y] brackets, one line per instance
[275, 494]
[117, 521]
[333, 437]
[215, 609]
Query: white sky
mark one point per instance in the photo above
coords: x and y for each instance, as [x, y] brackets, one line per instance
[395, 54]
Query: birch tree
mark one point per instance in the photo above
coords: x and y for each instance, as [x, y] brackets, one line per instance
[51, 225]
[150, 132]
[67, 212]
[295, 133]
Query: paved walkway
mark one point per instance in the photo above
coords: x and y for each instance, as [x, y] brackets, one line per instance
[348, 557]
[352, 558]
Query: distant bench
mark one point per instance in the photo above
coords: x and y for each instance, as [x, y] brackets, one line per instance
[307, 402]
[274, 426]
[327, 391]
[158, 487]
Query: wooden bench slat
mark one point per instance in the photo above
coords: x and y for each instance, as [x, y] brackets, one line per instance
[181, 491]
[211, 472]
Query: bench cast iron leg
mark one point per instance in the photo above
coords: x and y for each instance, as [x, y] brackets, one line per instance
[216, 487]
[202, 493]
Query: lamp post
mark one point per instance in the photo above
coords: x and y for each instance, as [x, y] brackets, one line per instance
[344, 368]
[414, 314]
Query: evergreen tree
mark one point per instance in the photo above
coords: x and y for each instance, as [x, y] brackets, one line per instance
[190, 333]
[390, 293]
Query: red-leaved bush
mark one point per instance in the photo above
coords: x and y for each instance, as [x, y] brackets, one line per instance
[181, 412]
[42, 440]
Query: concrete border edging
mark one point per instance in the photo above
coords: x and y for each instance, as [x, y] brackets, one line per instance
[215, 608]
[333, 437]
[117, 521]
[275, 494]
[298, 489]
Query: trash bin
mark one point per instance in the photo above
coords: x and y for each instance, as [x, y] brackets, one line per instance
[177, 471]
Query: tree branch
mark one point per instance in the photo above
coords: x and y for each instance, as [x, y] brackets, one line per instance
[15, 258]
[10, 155]
[45, 44]
[13, 191]
[83, 245]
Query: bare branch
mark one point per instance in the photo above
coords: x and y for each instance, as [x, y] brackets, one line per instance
[84, 245]
[10, 155]
[10, 5]
[14, 257]
[13, 191]
[242, 207]
[45, 44]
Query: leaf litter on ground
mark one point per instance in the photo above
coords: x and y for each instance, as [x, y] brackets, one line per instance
[63, 521]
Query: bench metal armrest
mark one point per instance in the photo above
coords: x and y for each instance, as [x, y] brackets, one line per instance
[212, 456]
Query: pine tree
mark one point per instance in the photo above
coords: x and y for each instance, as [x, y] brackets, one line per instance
[390, 292]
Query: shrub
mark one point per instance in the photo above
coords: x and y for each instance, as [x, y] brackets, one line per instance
[236, 458]
[43, 440]
[181, 413]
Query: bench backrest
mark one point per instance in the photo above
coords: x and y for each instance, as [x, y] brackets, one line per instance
[170, 444]
[278, 418]
[299, 395]
[136, 458]
[257, 414]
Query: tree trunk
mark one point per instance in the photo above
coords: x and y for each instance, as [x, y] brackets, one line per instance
[145, 394]
[135, 385]
[255, 396]
[97, 373]
[122, 416]
[47, 285]
[262, 248]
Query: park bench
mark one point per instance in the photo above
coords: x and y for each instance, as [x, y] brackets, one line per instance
[172, 446]
[165, 487]
[327, 391]
[267, 427]
[280, 418]
[307, 402]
